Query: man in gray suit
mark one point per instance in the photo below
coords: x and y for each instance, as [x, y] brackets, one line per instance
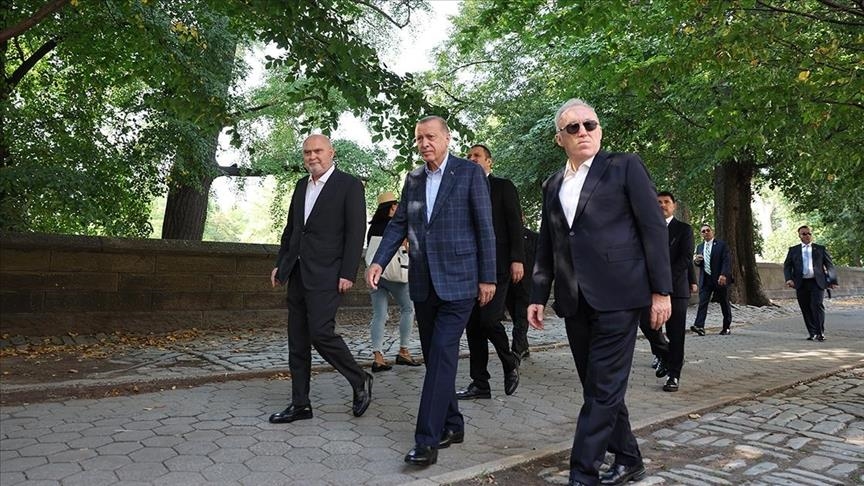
[446, 214]
[809, 270]
[604, 243]
[318, 258]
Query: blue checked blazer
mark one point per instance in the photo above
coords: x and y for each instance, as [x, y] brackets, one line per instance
[455, 249]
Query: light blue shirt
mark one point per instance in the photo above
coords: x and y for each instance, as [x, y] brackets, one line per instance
[433, 183]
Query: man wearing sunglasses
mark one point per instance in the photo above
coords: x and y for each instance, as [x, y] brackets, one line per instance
[604, 244]
[809, 270]
[715, 275]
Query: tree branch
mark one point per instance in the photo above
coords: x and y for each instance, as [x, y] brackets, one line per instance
[31, 61]
[683, 116]
[24, 26]
[473, 63]
[235, 171]
[386, 15]
[807, 15]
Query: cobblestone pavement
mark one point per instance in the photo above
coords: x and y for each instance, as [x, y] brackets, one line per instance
[218, 432]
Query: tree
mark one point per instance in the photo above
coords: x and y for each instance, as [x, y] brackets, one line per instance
[720, 95]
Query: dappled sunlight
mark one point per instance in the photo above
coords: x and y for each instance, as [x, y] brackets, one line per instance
[829, 354]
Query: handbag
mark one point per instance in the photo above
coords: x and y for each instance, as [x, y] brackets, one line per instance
[397, 269]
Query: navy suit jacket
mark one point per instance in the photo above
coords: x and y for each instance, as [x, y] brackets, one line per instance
[823, 266]
[329, 244]
[721, 263]
[680, 242]
[455, 249]
[617, 250]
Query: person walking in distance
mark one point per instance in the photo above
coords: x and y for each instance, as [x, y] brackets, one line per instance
[809, 270]
[715, 275]
[604, 244]
[446, 214]
[318, 258]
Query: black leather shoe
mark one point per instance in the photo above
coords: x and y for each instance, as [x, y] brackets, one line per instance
[698, 330]
[450, 437]
[362, 397]
[812, 337]
[662, 369]
[473, 392]
[401, 360]
[725, 332]
[671, 385]
[422, 455]
[291, 414]
[655, 363]
[376, 367]
[511, 381]
[820, 337]
[619, 474]
[522, 354]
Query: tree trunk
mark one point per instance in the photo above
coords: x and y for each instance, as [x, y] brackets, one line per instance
[733, 217]
[186, 211]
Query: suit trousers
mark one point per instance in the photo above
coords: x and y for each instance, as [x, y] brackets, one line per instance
[517, 306]
[312, 323]
[721, 292]
[675, 329]
[440, 324]
[485, 325]
[602, 344]
[659, 343]
[810, 300]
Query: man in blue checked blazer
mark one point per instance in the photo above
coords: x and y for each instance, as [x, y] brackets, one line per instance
[446, 214]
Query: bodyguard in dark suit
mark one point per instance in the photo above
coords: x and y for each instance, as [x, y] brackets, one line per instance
[318, 258]
[446, 214]
[519, 296]
[715, 275]
[485, 322]
[809, 270]
[604, 245]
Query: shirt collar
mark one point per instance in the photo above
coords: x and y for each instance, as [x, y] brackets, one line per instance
[440, 169]
[568, 167]
[323, 179]
[669, 220]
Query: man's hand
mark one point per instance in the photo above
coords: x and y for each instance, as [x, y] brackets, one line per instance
[661, 309]
[535, 316]
[517, 271]
[487, 291]
[721, 280]
[345, 285]
[790, 284]
[273, 280]
[694, 288]
[373, 273]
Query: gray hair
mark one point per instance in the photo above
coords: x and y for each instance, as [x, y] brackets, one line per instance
[570, 104]
[441, 120]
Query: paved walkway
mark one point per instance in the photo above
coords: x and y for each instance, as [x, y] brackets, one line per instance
[218, 432]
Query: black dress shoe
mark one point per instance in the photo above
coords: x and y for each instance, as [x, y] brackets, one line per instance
[363, 397]
[473, 392]
[450, 437]
[422, 455]
[671, 385]
[401, 360]
[291, 414]
[522, 354]
[725, 332]
[820, 337]
[620, 474]
[655, 363]
[376, 367]
[662, 369]
[698, 330]
[511, 381]
[812, 337]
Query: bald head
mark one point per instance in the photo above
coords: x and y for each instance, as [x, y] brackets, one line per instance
[318, 155]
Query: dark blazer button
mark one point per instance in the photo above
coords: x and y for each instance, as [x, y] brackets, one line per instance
[572, 234]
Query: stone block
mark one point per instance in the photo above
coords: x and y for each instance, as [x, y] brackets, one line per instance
[78, 261]
[197, 300]
[106, 282]
[241, 283]
[16, 282]
[244, 319]
[18, 302]
[71, 301]
[274, 299]
[262, 265]
[22, 259]
[208, 264]
[188, 282]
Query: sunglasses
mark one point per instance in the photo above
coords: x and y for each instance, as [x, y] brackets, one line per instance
[705, 231]
[573, 128]
[806, 234]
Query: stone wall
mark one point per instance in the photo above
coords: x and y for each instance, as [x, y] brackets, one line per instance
[53, 284]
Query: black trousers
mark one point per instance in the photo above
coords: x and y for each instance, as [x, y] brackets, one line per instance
[722, 295]
[312, 323]
[810, 300]
[602, 344]
[659, 343]
[517, 306]
[484, 327]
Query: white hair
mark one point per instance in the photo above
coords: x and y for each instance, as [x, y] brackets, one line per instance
[570, 104]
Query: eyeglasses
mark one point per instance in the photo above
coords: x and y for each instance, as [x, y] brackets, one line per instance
[806, 234]
[573, 128]
[705, 231]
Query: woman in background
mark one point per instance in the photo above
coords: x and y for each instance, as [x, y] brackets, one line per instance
[387, 204]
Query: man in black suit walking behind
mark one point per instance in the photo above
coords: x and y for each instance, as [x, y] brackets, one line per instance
[318, 258]
[604, 243]
[485, 322]
[809, 270]
[519, 295]
[715, 275]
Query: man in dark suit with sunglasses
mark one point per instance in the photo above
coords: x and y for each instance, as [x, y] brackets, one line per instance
[714, 261]
[809, 270]
[604, 244]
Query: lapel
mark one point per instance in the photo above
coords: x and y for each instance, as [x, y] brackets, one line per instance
[329, 187]
[673, 231]
[300, 202]
[556, 211]
[448, 182]
[595, 173]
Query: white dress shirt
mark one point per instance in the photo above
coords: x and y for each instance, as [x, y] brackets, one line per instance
[571, 188]
[313, 190]
[807, 259]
